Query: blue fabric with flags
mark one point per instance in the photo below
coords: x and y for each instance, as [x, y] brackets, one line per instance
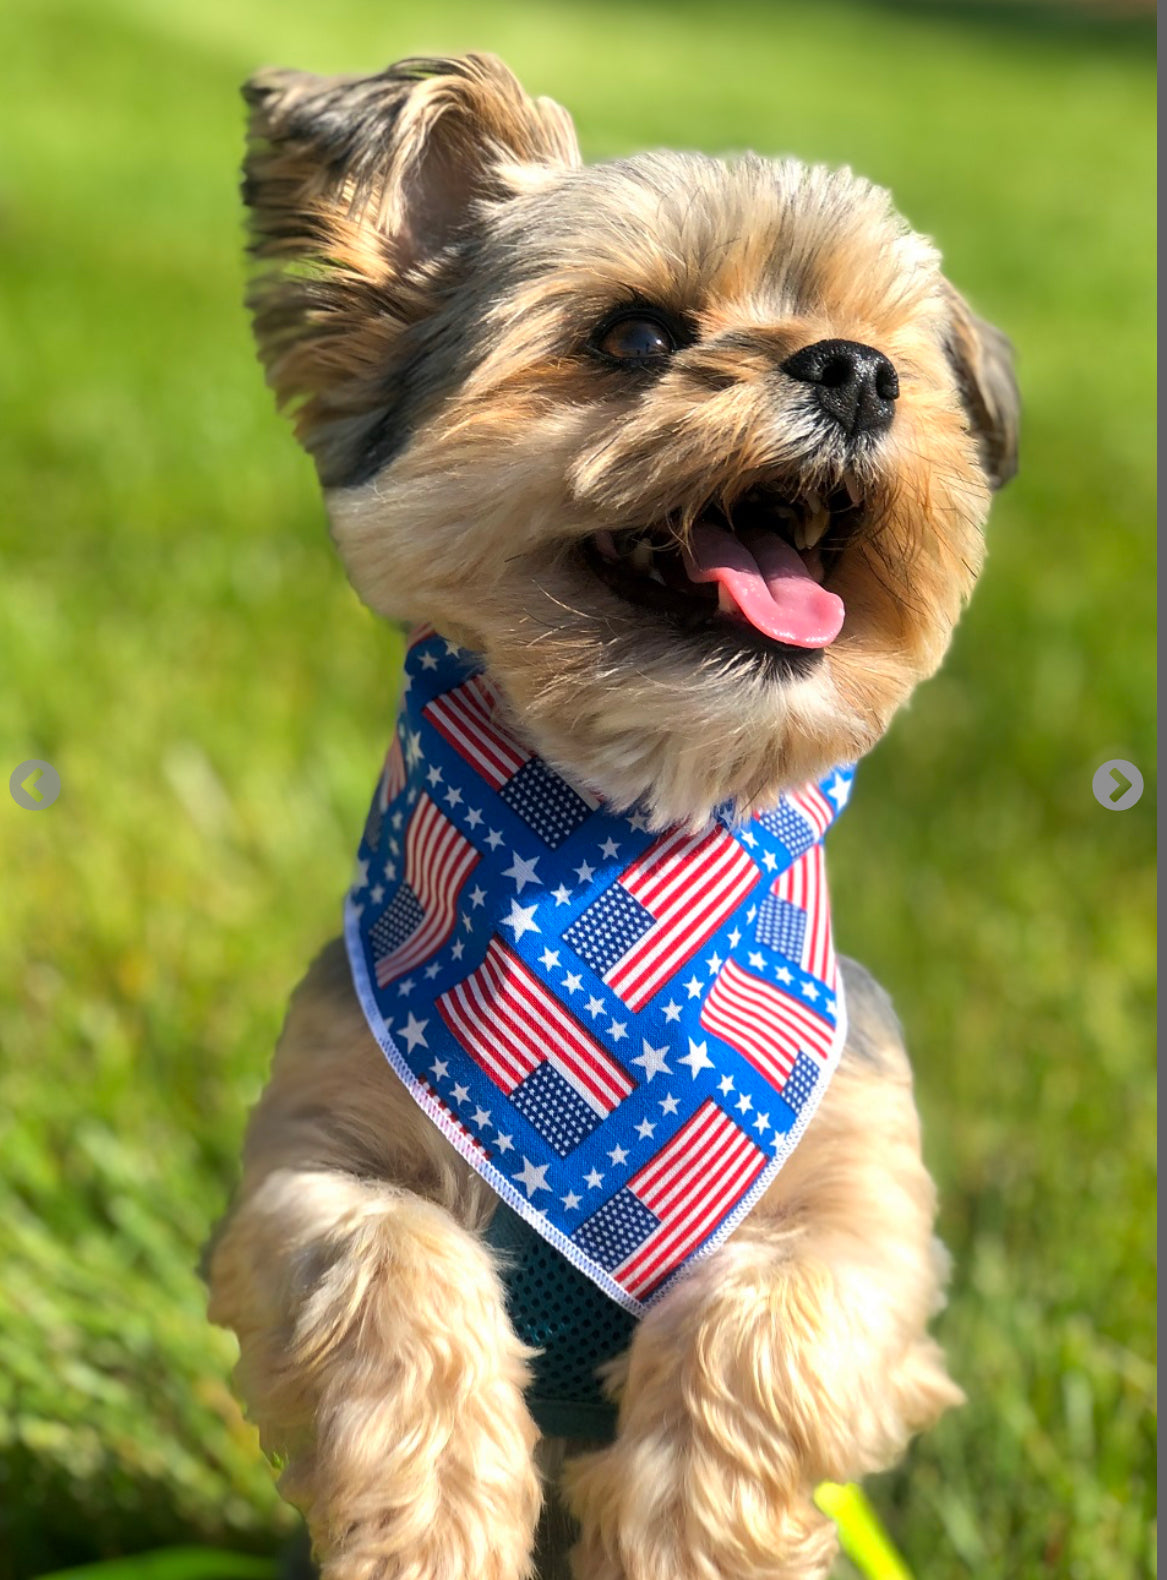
[625, 1031]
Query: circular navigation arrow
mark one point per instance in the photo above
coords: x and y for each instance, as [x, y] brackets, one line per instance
[34, 785]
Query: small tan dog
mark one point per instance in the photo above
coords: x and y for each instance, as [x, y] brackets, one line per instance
[542, 398]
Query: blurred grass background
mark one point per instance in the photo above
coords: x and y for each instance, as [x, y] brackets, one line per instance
[177, 639]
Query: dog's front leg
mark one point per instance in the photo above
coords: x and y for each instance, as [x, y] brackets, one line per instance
[796, 1353]
[375, 1353]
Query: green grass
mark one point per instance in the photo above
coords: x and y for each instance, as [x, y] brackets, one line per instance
[176, 638]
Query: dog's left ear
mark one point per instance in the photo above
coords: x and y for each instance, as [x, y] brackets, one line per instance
[365, 197]
[982, 359]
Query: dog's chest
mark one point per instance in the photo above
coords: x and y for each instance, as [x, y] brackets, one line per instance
[625, 1031]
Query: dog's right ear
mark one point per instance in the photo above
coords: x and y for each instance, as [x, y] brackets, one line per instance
[361, 190]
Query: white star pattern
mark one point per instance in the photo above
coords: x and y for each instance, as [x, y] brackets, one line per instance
[461, 1094]
[360, 873]
[523, 872]
[473, 817]
[571, 1201]
[429, 661]
[725, 1085]
[458, 950]
[645, 1130]
[735, 939]
[532, 1178]
[522, 920]
[481, 1117]
[505, 1143]
[561, 895]
[748, 839]
[594, 1180]
[413, 747]
[573, 982]
[762, 1123]
[618, 1155]
[585, 873]
[390, 870]
[439, 1068]
[404, 989]
[783, 975]
[434, 775]
[494, 838]
[714, 963]
[396, 821]
[476, 896]
[672, 1010]
[839, 791]
[808, 990]
[698, 1058]
[414, 1032]
[669, 1104]
[609, 848]
[617, 1031]
[377, 894]
[432, 970]
[594, 1006]
[694, 986]
[751, 913]
[453, 796]
[653, 1060]
[744, 1103]
[770, 861]
[549, 958]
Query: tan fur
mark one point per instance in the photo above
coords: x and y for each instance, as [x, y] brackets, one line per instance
[433, 262]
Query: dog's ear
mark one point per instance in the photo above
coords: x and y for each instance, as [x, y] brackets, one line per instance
[361, 191]
[982, 359]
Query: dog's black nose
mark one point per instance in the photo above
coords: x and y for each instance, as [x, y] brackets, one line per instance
[854, 384]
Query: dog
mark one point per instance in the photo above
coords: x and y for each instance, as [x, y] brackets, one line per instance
[687, 463]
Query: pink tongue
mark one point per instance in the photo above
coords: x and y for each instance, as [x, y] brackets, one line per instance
[768, 584]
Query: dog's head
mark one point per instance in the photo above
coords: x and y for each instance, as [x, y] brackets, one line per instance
[697, 453]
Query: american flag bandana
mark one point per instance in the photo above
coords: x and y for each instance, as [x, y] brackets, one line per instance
[626, 1032]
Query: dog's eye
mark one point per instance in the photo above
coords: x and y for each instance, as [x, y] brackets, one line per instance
[637, 338]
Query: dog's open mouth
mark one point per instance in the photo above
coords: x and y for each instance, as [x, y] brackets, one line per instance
[760, 565]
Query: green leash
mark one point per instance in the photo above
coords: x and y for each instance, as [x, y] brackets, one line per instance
[861, 1536]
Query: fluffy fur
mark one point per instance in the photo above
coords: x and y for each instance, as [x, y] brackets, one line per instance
[436, 267]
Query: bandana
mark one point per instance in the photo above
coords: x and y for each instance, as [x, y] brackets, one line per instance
[626, 1032]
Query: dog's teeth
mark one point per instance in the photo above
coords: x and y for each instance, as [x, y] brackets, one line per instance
[815, 527]
[655, 576]
[799, 533]
[606, 544]
[852, 486]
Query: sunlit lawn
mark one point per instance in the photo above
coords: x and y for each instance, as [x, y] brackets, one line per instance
[176, 638]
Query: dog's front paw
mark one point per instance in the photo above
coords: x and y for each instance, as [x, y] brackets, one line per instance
[665, 1506]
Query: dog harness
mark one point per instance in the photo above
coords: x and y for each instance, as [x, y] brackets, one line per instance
[625, 1031]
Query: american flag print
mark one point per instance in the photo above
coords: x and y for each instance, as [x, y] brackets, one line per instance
[531, 1046]
[661, 910]
[467, 718]
[667, 1208]
[625, 1031]
[793, 921]
[421, 915]
[768, 1025]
